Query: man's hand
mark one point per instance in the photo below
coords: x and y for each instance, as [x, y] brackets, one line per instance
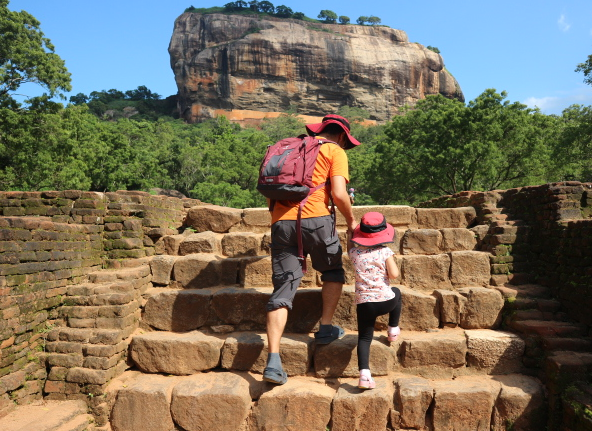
[342, 201]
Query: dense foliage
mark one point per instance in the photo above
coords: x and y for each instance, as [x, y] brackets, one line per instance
[113, 139]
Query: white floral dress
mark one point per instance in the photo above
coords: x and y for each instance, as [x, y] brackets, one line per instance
[372, 282]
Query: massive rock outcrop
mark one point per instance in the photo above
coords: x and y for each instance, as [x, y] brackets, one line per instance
[225, 63]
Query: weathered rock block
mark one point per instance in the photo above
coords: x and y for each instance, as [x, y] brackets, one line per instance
[495, 352]
[300, 404]
[144, 404]
[340, 358]
[171, 244]
[243, 308]
[255, 272]
[401, 216]
[483, 308]
[421, 241]
[425, 272]
[465, 403]
[203, 242]
[413, 396]
[457, 239]
[178, 310]
[162, 269]
[256, 219]
[432, 353]
[520, 403]
[452, 305]
[442, 218]
[213, 217]
[197, 271]
[177, 354]
[419, 311]
[470, 268]
[247, 351]
[241, 244]
[212, 401]
[356, 409]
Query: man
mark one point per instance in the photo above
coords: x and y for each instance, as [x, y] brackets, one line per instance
[319, 240]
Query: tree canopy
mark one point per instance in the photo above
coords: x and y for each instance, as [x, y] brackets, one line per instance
[27, 56]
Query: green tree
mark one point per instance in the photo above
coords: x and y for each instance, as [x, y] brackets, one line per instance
[328, 15]
[266, 7]
[254, 5]
[433, 48]
[298, 15]
[344, 19]
[283, 11]
[444, 147]
[362, 20]
[586, 69]
[572, 154]
[374, 20]
[27, 56]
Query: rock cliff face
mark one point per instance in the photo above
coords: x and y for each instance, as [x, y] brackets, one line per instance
[247, 63]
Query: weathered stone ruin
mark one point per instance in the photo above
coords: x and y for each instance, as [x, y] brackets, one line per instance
[126, 311]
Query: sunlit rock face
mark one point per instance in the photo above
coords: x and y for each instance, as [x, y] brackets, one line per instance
[226, 63]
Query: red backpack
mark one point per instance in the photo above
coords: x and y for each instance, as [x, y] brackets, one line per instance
[286, 175]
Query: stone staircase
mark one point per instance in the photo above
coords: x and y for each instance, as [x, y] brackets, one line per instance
[198, 355]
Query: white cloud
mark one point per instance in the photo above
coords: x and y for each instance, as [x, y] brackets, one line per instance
[582, 95]
[563, 24]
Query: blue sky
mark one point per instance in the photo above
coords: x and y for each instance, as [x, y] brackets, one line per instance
[527, 48]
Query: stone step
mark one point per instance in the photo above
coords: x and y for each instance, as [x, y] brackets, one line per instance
[239, 400]
[433, 354]
[524, 291]
[48, 416]
[244, 309]
[111, 275]
[545, 328]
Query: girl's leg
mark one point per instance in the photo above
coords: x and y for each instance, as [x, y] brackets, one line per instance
[395, 313]
[366, 321]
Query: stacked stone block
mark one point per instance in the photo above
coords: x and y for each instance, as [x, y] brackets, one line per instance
[39, 259]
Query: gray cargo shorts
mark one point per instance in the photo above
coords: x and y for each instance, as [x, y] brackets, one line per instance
[320, 243]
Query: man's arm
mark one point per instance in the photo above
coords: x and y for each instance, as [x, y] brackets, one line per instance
[341, 200]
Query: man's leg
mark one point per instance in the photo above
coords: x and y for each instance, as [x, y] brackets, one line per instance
[276, 322]
[331, 294]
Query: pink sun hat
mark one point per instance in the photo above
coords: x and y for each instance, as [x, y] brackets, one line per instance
[373, 230]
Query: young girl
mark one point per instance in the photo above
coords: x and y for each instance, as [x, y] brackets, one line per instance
[375, 265]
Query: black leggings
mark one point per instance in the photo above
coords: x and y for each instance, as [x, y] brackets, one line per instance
[367, 314]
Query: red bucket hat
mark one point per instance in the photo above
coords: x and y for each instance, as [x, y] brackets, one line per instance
[373, 230]
[316, 129]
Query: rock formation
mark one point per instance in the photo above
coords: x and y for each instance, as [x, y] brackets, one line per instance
[229, 63]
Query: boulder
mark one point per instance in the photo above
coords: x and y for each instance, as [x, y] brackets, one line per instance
[483, 308]
[144, 404]
[212, 402]
[175, 353]
[520, 403]
[442, 218]
[451, 305]
[203, 242]
[465, 403]
[241, 244]
[178, 310]
[470, 268]
[300, 404]
[421, 241]
[357, 409]
[419, 311]
[213, 217]
[247, 351]
[413, 396]
[196, 271]
[495, 352]
[257, 219]
[457, 239]
[425, 272]
[162, 269]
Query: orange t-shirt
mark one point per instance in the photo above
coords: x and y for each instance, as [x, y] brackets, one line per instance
[331, 162]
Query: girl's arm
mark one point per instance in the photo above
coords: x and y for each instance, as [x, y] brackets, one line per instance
[391, 268]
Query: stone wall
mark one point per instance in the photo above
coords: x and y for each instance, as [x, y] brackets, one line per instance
[50, 241]
[541, 234]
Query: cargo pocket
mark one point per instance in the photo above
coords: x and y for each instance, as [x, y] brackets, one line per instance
[333, 247]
